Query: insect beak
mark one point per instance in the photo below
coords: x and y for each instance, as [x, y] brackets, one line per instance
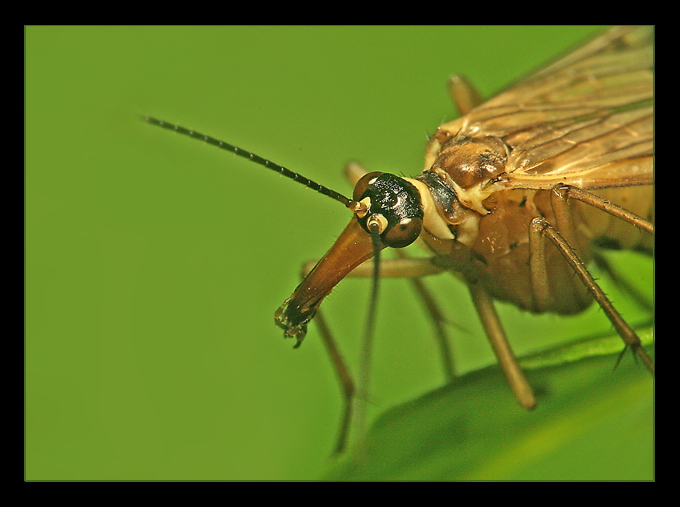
[353, 247]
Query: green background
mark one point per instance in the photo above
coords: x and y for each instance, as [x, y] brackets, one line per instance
[154, 264]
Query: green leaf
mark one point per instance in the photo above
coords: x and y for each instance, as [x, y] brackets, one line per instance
[594, 421]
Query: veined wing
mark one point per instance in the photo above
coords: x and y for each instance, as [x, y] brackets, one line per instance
[586, 119]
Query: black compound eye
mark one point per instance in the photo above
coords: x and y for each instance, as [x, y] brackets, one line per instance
[403, 233]
[394, 204]
[363, 183]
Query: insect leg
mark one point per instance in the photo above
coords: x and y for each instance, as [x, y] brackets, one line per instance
[506, 358]
[566, 192]
[345, 379]
[437, 318]
[354, 172]
[622, 282]
[463, 94]
[404, 267]
[414, 269]
[540, 228]
[539, 271]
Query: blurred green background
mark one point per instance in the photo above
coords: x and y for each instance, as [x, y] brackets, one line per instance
[154, 264]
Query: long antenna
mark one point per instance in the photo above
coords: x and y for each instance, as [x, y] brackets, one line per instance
[357, 207]
[367, 344]
[253, 158]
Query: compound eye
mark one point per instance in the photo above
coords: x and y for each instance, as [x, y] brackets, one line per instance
[363, 183]
[403, 233]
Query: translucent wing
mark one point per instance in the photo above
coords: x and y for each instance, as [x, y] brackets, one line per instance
[587, 119]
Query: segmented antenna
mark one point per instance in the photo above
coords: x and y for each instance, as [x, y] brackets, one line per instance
[253, 158]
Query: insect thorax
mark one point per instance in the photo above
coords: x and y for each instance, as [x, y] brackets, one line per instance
[472, 161]
[464, 172]
[490, 224]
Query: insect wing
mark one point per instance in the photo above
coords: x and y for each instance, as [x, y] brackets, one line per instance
[586, 119]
